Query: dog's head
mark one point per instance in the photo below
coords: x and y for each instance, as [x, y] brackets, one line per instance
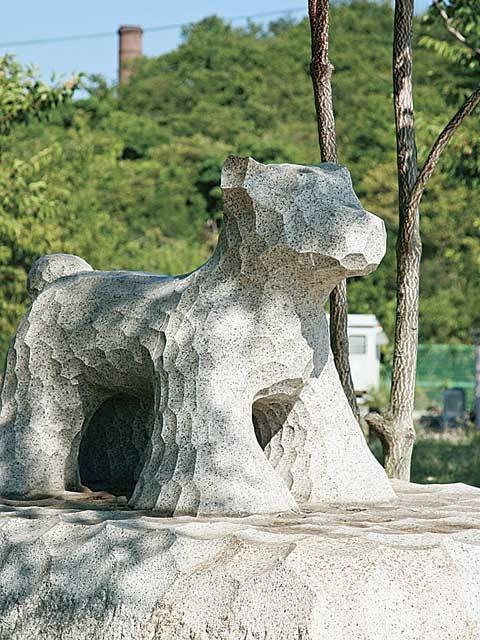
[309, 210]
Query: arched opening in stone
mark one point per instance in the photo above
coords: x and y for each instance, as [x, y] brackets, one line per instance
[270, 417]
[281, 422]
[114, 445]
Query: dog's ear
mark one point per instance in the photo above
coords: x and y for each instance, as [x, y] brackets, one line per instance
[234, 171]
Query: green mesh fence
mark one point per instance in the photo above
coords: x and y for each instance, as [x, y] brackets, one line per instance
[440, 366]
[445, 365]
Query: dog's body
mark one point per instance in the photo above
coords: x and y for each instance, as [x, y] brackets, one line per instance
[244, 334]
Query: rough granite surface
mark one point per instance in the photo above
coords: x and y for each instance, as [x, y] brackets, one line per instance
[209, 393]
[408, 570]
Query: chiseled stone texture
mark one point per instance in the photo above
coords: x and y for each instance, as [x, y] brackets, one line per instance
[408, 570]
[166, 386]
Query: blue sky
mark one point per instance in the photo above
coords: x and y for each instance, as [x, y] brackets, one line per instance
[32, 19]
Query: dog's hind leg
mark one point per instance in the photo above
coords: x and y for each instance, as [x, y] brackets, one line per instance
[42, 414]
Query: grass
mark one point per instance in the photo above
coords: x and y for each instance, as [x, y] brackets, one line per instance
[438, 458]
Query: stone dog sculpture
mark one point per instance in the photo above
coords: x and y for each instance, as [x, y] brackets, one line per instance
[237, 406]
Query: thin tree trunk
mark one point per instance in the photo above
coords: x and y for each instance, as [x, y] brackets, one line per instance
[395, 429]
[339, 342]
[409, 251]
[321, 73]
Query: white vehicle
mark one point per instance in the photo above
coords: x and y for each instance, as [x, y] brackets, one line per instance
[365, 336]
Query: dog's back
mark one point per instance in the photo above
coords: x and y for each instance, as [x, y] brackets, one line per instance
[103, 324]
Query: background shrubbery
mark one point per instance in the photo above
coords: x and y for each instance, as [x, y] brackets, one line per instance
[129, 179]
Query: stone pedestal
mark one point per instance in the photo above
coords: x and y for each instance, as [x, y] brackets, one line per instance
[408, 571]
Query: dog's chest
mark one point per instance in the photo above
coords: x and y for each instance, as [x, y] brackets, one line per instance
[271, 334]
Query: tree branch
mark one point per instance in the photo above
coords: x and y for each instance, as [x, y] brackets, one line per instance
[439, 145]
[321, 72]
[452, 30]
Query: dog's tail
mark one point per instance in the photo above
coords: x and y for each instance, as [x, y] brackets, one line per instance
[49, 268]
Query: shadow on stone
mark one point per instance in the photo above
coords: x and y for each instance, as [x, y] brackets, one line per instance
[113, 445]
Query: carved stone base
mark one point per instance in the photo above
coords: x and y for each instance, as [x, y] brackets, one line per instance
[88, 569]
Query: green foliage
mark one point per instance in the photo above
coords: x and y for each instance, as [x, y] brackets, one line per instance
[131, 179]
[462, 165]
[464, 17]
[24, 97]
[26, 212]
[27, 206]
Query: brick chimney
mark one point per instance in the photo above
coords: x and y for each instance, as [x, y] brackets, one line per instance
[129, 47]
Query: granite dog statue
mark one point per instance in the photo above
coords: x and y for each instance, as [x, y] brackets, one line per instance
[230, 365]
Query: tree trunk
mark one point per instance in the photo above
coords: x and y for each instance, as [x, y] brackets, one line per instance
[321, 73]
[339, 342]
[395, 429]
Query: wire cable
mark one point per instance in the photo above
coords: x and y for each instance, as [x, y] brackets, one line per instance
[165, 27]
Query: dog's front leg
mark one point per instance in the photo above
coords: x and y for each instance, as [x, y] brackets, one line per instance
[333, 464]
[205, 458]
